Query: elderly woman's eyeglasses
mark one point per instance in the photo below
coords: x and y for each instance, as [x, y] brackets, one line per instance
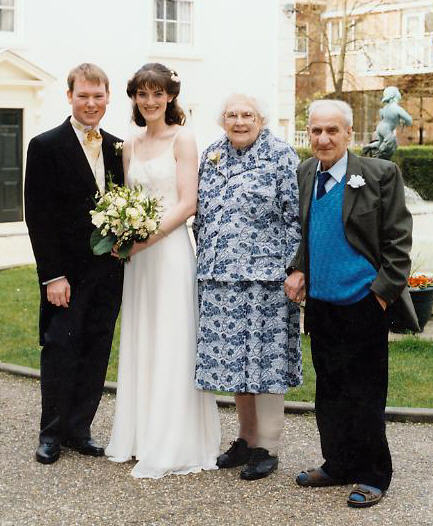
[247, 116]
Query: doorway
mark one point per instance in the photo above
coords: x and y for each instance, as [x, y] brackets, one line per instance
[11, 165]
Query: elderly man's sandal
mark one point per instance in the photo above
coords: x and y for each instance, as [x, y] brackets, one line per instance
[316, 478]
[363, 496]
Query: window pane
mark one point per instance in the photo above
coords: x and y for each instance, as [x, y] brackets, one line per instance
[171, 10]
[159, 9]
[171, 32]
[6, 20]
[185, 33]
[159, 31]
[184, 13]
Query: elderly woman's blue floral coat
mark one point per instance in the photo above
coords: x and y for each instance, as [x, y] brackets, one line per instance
[247, 226]
[247, 232]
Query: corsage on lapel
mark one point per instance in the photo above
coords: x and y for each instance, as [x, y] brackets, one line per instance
[214, 156]
[356, 181]
[118, 148]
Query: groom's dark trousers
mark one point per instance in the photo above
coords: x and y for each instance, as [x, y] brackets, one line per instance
[59, 193]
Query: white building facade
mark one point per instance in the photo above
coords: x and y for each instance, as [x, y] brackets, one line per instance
[216, 47]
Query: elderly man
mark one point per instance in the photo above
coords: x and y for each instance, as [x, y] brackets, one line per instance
[356, 238]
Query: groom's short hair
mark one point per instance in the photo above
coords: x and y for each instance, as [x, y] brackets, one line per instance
[91, 72]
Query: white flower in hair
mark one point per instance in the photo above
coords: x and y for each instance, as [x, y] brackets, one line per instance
[356, 181]
[174, 77]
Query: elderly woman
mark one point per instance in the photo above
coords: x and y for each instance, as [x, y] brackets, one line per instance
[247, 232]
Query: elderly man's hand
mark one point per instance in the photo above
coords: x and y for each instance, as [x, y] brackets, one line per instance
[294, 286]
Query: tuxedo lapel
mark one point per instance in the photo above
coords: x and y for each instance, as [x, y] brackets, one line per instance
[108, 152]
[76, 157]
[350, 194]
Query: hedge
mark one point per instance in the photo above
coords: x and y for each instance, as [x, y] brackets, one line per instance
[415, 162]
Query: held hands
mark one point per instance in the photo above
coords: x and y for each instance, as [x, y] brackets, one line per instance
[136, 247]
[140, 245]
[59, 292]
[294, 286]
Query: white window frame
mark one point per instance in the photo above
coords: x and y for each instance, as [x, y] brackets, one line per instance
[336, 48]
[177, 23]
[420, 16]
[14, 38]
[167, 51]
[12, 8]
[298, 37]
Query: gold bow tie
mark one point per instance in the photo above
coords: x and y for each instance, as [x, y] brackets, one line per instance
[92, 140]
[93, 135]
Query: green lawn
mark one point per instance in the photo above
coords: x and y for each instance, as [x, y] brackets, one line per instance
[410, 361]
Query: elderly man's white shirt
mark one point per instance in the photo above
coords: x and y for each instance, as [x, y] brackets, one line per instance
[337, 171]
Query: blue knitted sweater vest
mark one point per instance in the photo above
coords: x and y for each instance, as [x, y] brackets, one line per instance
[338, 273]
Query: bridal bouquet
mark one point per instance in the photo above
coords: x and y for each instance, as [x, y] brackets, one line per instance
[121, 216]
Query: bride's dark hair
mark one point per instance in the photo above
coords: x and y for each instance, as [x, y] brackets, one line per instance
[157, 76]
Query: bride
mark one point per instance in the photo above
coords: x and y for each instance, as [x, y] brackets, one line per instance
[160, 419]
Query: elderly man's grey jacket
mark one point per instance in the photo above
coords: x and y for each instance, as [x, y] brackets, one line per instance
[376, 223]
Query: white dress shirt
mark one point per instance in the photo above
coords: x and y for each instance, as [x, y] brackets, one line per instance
[337, 171]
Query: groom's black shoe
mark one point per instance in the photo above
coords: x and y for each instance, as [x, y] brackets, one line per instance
[48, 452]
[260, 465]
[237, 455]
[85, 446]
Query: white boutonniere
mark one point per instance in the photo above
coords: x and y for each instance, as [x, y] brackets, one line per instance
[356, 181]
[118, 148]
[214, 156]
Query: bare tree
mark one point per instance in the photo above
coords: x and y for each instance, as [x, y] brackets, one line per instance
[334, 50]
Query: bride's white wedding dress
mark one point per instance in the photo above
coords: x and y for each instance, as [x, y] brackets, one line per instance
[160, 418]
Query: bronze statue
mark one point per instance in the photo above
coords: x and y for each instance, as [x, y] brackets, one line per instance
[384, 141]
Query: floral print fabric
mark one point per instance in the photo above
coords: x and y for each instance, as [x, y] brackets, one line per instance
[248, 338]
[247, 232]
[247, 225]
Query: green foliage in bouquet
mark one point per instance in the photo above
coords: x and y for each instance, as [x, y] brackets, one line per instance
[121, 216]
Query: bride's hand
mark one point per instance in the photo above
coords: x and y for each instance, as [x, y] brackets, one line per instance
[137, 247]
[114, 250]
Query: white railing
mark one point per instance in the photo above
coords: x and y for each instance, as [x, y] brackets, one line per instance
[396, 56]
[358, 139]
[301, 139]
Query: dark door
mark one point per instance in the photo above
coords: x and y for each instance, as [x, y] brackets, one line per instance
[11, 165]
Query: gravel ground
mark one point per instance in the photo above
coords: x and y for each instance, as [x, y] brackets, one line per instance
[80, 490]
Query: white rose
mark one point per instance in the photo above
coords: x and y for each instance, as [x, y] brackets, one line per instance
[120, 202]
[98, 218]
[150, 225]
[132, 212]
[112, 212]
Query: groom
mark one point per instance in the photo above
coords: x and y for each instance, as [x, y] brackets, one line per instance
[80, 292]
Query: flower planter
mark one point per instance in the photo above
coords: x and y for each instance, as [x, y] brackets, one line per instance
[422, 299]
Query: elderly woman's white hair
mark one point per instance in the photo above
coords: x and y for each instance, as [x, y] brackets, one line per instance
[339, 105]
[258, 104]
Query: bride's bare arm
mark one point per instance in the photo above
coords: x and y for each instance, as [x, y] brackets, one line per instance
[185, 152]
[126, 157]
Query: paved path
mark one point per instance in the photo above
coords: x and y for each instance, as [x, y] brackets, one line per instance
[79, 490]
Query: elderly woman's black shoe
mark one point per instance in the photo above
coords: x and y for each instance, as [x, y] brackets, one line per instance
[237, 455]
[260, 465]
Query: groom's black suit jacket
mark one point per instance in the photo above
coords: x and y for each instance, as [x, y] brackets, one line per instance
[60, 191]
